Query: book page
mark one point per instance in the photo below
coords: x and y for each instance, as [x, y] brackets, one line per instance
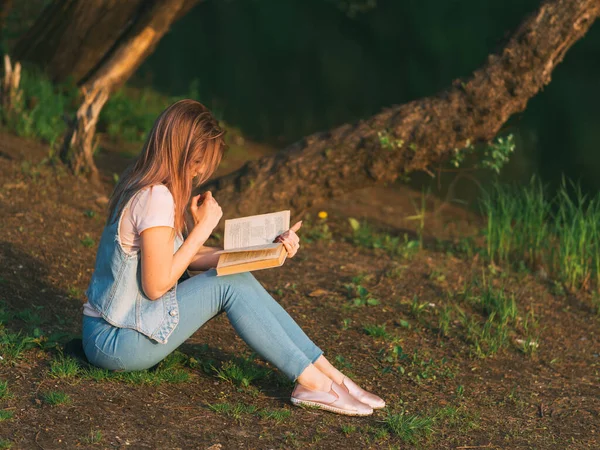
[246, 249]
[256, 230]
[231, 259]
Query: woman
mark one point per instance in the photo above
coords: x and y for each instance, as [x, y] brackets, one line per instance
[137, 311]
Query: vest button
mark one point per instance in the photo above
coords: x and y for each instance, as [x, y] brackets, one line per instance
[173, 313]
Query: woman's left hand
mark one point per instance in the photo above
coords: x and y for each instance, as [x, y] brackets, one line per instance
[290, 239]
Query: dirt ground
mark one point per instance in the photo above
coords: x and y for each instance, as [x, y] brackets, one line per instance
[50, 224]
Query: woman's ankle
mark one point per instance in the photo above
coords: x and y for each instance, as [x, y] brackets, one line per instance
[329, 370]
[313, 379]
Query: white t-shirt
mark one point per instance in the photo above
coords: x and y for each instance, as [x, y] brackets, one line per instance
[153, 206]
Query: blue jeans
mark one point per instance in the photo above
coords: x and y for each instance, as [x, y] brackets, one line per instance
[256, 316]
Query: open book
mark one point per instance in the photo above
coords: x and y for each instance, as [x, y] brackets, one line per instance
[249, 243]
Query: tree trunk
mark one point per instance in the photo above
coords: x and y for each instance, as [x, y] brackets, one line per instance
[70, 37]
[423, 132]
[125, 56]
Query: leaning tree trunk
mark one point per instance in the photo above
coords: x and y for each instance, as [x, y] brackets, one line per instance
[350, 157]
[70, 37]
[151, 22]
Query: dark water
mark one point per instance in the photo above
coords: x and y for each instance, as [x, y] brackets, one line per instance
[280, 70]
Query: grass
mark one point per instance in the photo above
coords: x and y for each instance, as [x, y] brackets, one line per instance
[410, 428]
[6, 415]
[359, 294]
[170, 370]
[5, 444]
[94, 437]
[55, 398]
[560, 233]
[64, 367]
[4, 392]
[376, 331]
[12, 345]
[242, 372]
[235, 411]
[364, 235]
[278, 415]
[39, 111]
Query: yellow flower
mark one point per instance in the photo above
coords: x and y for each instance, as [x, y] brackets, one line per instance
[322, 214]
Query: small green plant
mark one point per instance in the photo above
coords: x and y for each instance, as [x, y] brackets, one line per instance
[64, 367]
[5, 444]
[243, 372]
[445, 320]
[88, 242]
[278, 415]
[4, 392]
[376, 331]
[497, 301]
[348, 429]
[388, 141]
[5, 415]
[94, 437]
[358, 294]
[460, 391]
[417, 308]
[316, 229]
[235, 411]
[14, 344]
[410, 428]
[54, 398]
[346, 324]
[365, 236]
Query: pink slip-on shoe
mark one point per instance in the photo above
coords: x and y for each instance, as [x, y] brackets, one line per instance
[360, 394]
[337, 400]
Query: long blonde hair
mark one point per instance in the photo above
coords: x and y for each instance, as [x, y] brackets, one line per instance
[184, 132]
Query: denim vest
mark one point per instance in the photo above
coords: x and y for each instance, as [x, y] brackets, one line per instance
[115, 290]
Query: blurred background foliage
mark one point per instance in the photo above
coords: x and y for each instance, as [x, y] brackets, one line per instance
[281, 70]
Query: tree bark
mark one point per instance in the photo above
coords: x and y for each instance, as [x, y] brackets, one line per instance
[351, 157]
[71, 38]
[114, 68]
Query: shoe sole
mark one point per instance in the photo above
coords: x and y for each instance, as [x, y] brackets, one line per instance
[345, 412]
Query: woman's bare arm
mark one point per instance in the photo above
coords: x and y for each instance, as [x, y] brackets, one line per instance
[160, 267]
[205, 258]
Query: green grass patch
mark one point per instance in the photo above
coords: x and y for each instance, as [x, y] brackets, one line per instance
[410, 428]
[560, 233]
[64, 367]
[170, 370]
[4, 392]
[6, 415]
[377, 331]
[235, 411]
[242, 372]
[12, 345]
[278, 415]
[364, 235]
[55, 398]
[358, 294]
[87, 242]
[5, 443]
[39, 111]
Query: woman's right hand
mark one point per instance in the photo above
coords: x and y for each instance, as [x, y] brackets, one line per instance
[206, 211]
